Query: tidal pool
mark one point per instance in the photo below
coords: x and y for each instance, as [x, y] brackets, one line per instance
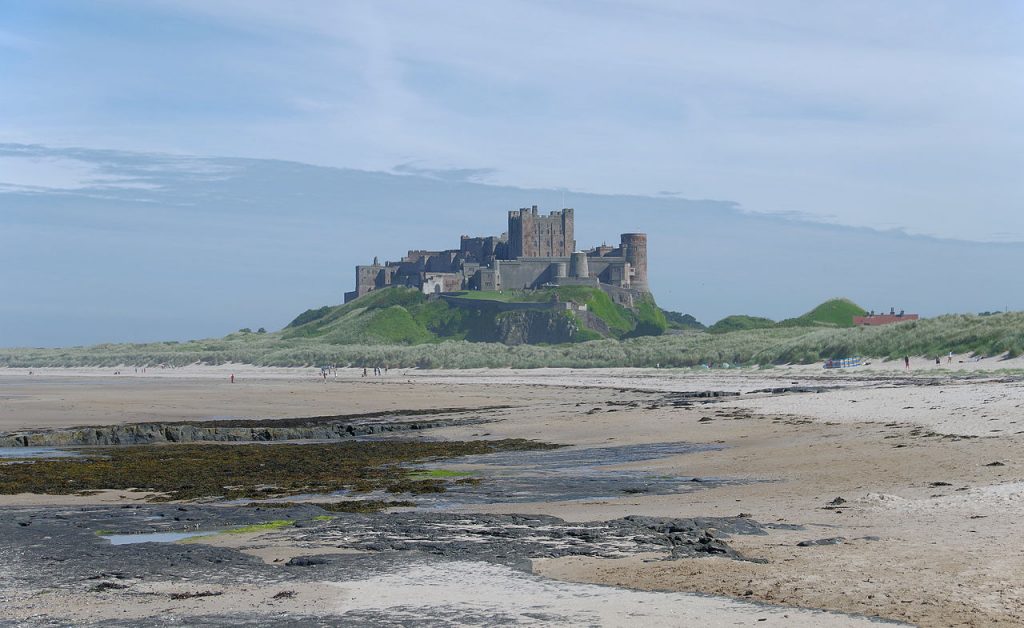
[35, 452]
[152, 537]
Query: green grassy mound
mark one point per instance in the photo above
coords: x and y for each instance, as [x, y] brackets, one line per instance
[831, 313]
[740, 322]
[404, 316]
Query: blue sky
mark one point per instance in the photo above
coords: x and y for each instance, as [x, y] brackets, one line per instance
[903, 118]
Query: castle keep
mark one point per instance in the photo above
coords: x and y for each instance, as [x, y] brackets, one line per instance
[537, 251]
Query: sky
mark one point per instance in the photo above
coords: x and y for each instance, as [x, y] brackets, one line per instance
[123, 122]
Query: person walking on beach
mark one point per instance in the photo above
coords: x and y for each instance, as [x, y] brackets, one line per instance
[232, 378]
[906, 362]
[949, 358]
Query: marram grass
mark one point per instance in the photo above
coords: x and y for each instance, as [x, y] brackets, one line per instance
[963, 334]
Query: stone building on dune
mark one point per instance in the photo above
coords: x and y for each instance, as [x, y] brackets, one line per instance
[537, 251]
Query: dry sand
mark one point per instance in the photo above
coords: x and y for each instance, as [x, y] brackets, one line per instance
[928, 465]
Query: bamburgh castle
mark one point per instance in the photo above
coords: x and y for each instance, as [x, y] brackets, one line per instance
[535, 252]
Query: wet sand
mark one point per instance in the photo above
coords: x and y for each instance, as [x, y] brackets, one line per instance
[926, 530]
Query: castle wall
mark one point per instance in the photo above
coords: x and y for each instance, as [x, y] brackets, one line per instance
[480, 250]
[488, 278]
[526, 273]
[614, 271]
[366, 279]
[441, 282]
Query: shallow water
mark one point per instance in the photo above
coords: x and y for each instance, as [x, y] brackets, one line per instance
[152, 537]
[35, 452]
[569, 474]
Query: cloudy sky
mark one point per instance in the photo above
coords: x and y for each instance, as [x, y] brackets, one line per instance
[903, 117]
[882, 114]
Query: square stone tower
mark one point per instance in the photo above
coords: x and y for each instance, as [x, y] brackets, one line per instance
[534, 235]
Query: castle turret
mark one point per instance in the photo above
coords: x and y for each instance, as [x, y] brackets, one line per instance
[634, 249]
[579, 268]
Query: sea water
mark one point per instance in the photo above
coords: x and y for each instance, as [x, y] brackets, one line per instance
[35, 452]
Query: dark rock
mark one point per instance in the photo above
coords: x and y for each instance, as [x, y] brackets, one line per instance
[305, 561]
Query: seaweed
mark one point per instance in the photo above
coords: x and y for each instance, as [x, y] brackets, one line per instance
[248, 471]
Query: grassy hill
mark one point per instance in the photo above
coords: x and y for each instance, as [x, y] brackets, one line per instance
[406, 316]
[741, 322]
[680, 321]
[831, 313]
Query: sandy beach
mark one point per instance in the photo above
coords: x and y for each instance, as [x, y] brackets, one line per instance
[886, 494]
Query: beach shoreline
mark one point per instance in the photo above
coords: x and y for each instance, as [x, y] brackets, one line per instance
[892, 495]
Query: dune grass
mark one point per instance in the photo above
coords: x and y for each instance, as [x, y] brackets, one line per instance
[963, 334]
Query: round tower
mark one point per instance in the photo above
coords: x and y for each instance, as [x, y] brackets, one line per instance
[634, 249]
[579, 267]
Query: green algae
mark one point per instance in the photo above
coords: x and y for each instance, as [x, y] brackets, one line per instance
[260, 527]
[431, 474]
[248, 471]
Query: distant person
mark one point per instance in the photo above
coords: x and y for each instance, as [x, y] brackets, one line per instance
[906, 362]
[949, 358]
[938, 362]
[232, 378]
[364, 371]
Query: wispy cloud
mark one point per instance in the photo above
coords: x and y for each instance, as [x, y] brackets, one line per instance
[445, 174]
[869, 112]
